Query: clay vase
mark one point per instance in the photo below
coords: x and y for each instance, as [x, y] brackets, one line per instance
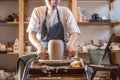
[55, 49]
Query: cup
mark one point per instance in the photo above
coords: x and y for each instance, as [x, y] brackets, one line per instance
[28, 48]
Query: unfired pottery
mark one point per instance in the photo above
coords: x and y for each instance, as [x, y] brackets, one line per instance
[55, 49]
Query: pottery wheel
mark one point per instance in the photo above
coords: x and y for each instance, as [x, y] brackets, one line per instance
[55, 62]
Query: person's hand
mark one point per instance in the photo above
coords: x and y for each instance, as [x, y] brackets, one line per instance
[41, 52]
[70, 51]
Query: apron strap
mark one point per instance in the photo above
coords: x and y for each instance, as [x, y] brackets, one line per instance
[46, 32]
[58, 16]
[47, 13]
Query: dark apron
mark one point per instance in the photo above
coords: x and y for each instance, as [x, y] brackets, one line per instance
[55, 32]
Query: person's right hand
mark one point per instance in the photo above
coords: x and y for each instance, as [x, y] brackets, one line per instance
[41, 52]
[70, 51]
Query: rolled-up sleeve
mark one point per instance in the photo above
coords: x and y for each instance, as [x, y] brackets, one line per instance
[71, 23]
[34, 21]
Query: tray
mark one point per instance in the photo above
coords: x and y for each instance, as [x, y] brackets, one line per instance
[55, 62]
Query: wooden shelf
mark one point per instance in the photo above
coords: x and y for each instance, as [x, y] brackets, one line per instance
[114, 23]
[8, 0]
[98, 23]
[29, 52]
[9, 24]
[18, 52]
[91, 23]
[26, 22]
[12, 52]
[113, 51]
[97, 0]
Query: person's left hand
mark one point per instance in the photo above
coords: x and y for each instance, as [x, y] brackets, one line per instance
[70, 51]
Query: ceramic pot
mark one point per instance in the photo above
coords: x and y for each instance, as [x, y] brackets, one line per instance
[55, 49]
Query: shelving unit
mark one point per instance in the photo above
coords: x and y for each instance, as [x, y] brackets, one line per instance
[112, 24]
[21, 27]
[99, 23]
[9, 27]
[75, 6]
[9, 24]
[87, 24]
[23, 9]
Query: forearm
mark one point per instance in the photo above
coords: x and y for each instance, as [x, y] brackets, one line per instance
[40, 48]
[33, 39]
[73, 39]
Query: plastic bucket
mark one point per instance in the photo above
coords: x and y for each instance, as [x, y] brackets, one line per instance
[96, 56]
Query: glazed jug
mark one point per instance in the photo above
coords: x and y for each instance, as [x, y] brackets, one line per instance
[55, 49]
